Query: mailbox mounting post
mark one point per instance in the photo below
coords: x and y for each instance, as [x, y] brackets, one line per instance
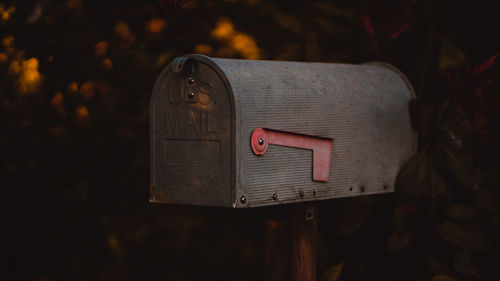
[290, 243]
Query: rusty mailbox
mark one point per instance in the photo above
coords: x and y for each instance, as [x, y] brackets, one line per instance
[242, 133]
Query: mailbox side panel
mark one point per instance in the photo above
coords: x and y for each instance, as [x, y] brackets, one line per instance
[363, 108]
[192, 135]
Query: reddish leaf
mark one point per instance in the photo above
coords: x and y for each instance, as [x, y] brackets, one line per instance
[400, 31]
[480, 120]
[367, 23]
[485, 65]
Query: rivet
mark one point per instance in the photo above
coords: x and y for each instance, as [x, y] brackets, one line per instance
[275, 196]
[350, 189]
[243, 199]
[301, 193]
[385, 186]
[261, 141]
[190, 94]
[314, 192]
[190, 80]
[362, 188]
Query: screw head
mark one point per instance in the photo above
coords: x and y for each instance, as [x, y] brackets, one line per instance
[275, 196]
[261, 141]
[191, 80]
[301, 193]
[190, 94]
[243, 199]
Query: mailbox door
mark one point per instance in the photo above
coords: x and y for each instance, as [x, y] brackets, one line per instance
[191, 136]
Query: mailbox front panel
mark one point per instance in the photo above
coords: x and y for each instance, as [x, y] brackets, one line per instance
[192, 144]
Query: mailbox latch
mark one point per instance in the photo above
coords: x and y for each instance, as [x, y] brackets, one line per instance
[321, 147]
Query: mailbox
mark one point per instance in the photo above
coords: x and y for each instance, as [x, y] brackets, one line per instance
[242, 133]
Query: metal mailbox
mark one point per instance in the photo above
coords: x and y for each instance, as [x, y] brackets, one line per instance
[242, 133]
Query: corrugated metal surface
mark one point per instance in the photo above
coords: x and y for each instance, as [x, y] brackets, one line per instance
[364, 108]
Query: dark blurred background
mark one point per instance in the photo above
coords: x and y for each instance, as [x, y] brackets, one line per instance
[75, 81]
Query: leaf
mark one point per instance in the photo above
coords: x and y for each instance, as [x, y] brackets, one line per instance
[333, 273]
[485, 202]
[331, 9]
[398, 241]
[485, 65]
[451, 58]
[355, 213]
[288, 22]
[328, 26]
[420, 176]
[400, 31]
[465, 239]
[442, 277]
[459, 168]
[435, 264]
[368, 25]
[460, 212]
[463, 264]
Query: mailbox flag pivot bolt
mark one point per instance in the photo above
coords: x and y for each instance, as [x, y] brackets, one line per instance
[243, 199]
[261, 141]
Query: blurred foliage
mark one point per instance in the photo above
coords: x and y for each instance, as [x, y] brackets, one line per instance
[75, 79]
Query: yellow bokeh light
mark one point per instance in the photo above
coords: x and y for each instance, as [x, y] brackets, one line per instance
[100, 48]
[5, 14]
[235, 42]
[224, 29]
[30, 64]
[87, 90]
[3, 58]
[107, 64]
[57, 99]
[27, 74]
[82, 112]
[72, 4]
[156, 25]
[113, 242]
[8, 41]
[73, 87]
[246, 46]
[162, 59]
[203, 49]
[121, 29]
[14, 68]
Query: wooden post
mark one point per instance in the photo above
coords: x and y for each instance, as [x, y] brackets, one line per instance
[304, 230]
[291, 244]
